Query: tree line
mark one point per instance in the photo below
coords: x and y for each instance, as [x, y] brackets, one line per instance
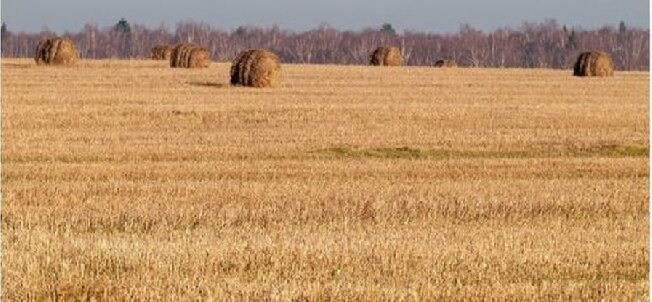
[532, 45]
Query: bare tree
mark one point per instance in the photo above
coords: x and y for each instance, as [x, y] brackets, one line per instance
[547, 44]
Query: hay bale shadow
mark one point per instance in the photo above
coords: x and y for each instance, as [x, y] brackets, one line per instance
[208, 84]
[17, 65]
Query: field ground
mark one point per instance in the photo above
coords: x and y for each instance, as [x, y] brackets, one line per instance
[132, 181]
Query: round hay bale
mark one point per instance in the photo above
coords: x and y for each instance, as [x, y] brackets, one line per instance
[161, 52]
[445, 63]
[187, 55]
[386, 56]
[56, 51]
[594, 64]
[256, 68]
[176, 57]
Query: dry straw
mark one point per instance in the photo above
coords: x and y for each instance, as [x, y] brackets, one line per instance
[256, 68]
[56, 51]
[445, 63]
[594, 64]
[386, 56]
[187, 55]
[161, 52]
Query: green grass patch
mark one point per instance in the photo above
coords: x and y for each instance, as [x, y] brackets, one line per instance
[618, 151]
[417, 153]
[402, 152]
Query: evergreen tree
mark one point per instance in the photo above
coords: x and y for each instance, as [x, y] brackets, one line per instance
[622, 33]
[388, 29]
[123, 27]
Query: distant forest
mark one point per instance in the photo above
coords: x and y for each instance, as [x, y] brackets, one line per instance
[532, 45]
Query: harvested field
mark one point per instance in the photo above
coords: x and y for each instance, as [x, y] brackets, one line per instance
[128, 180]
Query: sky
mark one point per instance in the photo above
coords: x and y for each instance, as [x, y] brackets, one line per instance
[422, 15]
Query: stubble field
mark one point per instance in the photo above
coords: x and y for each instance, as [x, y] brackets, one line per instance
[128, 180]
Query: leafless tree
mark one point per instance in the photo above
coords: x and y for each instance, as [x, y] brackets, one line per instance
[547, 44]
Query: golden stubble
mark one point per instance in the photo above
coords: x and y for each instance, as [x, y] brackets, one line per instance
[128, 180]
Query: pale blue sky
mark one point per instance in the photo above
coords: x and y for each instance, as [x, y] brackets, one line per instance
[437, 16]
